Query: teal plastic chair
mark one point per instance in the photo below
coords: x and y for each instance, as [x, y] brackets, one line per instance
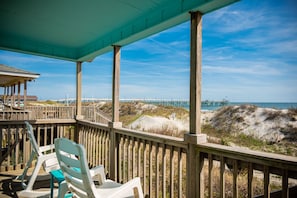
[78, 177]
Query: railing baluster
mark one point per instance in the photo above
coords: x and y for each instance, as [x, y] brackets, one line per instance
[92, 145]
[8, 148]
[200, 176]
[144, 167]
[210, 176]
[164, 171]
[285, 188]
[138, 156]
[125, 160]
[235, 178]
[180, 173]
[45, 135]
[52, 135]
[100, 148]
[157, 174]
[94, 153]
[26, 151]
[266, 182]
[171, 171]
[129, 158]
[150, 169]
[106, 148]
[38, 135]
[97, 147]
[133, 157]
[250, 180]
[222, 177]
[107, 151]
[120, 157]
[17, 148]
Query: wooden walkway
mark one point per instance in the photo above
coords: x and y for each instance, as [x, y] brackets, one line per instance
[9, 187]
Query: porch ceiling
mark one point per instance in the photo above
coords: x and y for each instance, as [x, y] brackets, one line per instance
[81, 30]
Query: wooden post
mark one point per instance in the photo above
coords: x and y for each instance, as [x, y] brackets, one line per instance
[78, 99]
[5, 94]
[19, 94]
[12, 101]
[115, 112]
[116, 84]
[25, 94]
[195, 72]
[195, 186]
[78, 89]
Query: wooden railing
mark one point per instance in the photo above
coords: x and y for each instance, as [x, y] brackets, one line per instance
[96, 141]
[161, 161]
[93, 114]
[14, 115]
[223, 165]
[15, 147]
[51, 112]
[89, 113]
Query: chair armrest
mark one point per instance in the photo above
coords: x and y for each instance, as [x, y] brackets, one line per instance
[49, 162]
[126, 188]
[47, 148]
[98, 174]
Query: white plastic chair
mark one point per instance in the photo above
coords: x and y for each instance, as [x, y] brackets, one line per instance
[78, 178]
[46, 157]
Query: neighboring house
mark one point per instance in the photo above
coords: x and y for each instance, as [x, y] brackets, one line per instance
[12, 79]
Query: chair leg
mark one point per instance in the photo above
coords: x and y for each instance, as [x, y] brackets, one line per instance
[24, 174]
[63, 189]
[34, 175]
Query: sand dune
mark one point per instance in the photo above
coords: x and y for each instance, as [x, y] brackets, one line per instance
[263, 123]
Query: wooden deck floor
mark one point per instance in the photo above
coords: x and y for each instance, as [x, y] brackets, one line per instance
[9, 186]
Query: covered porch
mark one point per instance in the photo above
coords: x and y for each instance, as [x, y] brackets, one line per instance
[169, 167]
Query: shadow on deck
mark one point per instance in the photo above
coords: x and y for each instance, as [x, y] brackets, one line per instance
[9, 186]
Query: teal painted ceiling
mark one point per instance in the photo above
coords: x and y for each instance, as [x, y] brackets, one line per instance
[79, 30]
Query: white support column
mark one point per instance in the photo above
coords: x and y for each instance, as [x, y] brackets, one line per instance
[78, 89]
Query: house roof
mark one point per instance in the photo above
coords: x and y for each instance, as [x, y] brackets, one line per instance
[11, 76]
[78, 30]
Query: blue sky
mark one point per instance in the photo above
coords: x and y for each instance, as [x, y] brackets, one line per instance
[249, 55]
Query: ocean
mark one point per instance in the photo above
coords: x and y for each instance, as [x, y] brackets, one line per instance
[273, 105]
[217, 105]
